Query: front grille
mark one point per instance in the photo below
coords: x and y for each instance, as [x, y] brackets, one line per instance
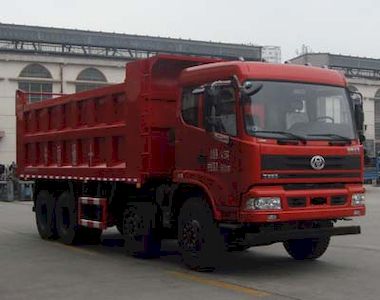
[297, 201]
[318, 201]
[338, 200]
[292, 162]
[312, 186]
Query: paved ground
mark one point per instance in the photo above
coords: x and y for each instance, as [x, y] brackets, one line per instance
[35, 269]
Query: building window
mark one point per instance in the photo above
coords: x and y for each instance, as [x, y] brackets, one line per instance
[353, 88]
[34, 79]
[88, 79]
[377, 95]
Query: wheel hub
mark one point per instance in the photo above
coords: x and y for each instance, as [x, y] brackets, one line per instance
[191, 238]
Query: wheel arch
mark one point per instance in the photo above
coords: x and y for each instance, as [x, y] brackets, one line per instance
[185, 191]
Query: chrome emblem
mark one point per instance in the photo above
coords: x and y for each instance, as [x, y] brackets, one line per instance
[317, 162]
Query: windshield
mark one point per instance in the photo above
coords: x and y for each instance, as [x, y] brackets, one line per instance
[309, 111]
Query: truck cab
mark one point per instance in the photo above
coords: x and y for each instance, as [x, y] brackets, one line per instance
[271, 144]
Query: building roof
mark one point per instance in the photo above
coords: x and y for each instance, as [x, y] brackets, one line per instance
[352, 66]
[92, 43]
[344, 61]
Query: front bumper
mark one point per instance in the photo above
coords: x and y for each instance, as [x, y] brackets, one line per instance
[262, 238]
[309, 212]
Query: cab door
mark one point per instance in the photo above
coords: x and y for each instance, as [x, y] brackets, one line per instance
[191, 156]
[207, 147]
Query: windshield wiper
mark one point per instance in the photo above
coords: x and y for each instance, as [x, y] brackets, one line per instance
[285, 133]
[333, 136]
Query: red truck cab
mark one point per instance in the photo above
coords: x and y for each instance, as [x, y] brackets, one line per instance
[293, 139]
[276, 149]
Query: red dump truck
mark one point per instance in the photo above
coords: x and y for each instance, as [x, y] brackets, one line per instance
[221, 155]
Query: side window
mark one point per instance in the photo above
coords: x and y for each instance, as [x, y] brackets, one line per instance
[220, 112]
[189, 108]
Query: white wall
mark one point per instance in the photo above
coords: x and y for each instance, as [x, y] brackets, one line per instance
[368, 89]
[12, 64]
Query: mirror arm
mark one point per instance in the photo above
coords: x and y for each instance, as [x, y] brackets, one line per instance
[198, 90]
[235, 80]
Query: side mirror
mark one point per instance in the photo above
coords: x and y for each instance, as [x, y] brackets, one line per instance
[357, 100]
[198, 90]
[250, 88]
[361, 138]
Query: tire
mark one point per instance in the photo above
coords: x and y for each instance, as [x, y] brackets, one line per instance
[307, 249]
[199, 239]
[67, 221]
[141, 231]
[45, 215]
[69, 232]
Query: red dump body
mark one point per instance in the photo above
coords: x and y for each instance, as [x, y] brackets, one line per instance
[115, 133]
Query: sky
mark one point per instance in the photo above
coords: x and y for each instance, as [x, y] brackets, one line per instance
[337, 26]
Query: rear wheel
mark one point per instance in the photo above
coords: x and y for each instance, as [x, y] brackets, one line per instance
[307, 249]
[45, 215]
[200, 241]
[68, 230]
[141, 231]
[67, 226]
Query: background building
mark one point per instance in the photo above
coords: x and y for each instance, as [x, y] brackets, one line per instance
[52, 60]
[363, 75]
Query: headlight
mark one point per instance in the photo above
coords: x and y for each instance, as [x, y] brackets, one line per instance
[357, 199]
[264, 203]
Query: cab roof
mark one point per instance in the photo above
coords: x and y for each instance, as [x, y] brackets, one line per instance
[260, 71]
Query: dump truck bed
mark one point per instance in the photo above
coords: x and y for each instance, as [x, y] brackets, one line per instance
[114, 133]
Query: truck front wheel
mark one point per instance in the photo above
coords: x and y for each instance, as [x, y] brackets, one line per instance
[45, 216]
[307, 248]
[199, 239]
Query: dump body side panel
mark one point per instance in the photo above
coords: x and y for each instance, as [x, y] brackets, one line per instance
[115, 133]
[81, 135]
